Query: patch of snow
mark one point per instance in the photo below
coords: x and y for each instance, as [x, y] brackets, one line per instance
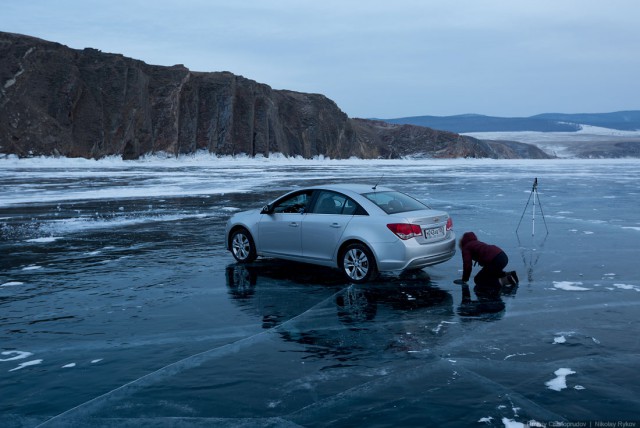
[18, 355]
[627, 287]
[11, 283]
[26, 364]
[518, 354]
[44, 240]
[569, 286]
[78, 224]
[510, 423]
[273, 404]
[560, 382]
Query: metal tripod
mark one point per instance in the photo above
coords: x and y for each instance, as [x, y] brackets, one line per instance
[536, 197]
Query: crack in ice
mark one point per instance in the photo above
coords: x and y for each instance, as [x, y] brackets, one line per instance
[172, 369]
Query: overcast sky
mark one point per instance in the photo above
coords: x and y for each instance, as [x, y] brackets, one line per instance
[382, 59]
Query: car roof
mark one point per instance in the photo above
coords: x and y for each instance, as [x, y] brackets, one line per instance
[356, 188]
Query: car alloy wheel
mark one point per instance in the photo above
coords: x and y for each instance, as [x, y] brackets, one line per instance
[242, 246]
[358, 263]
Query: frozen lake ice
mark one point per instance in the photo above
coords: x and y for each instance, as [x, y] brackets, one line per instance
[119, 304]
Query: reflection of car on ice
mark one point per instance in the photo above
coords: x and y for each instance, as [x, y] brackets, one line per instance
[315, 307]
[269, 287]
[357, 304]
[340, 321]
[277, 301]
[356, 228]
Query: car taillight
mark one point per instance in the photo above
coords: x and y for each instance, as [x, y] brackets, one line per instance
[449, 224]
[405, 230]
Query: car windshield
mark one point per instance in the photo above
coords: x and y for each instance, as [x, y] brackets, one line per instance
[393, 202]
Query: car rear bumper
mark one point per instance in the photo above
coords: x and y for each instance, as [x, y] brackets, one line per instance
[430, 260]
[409, 254]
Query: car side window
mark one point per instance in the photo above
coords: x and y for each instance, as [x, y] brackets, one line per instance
[334, 203]
[293, 204]
[351, 207]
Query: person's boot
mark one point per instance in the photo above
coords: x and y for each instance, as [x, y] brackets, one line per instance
[505, 281]
[514, 277]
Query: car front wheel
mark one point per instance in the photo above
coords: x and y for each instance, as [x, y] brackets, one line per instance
[242, 246]
[358, 264]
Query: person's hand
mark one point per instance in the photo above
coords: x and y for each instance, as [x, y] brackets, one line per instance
[460, 282]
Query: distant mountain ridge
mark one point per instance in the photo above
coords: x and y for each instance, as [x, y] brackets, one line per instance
[546, 122]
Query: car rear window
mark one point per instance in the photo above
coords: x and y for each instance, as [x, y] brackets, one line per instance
[395, 202]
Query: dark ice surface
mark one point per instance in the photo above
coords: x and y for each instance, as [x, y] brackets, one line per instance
[119, 305]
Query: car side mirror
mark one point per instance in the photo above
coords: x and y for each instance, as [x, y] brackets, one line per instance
[267, 209]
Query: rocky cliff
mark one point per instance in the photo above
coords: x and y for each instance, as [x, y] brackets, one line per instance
[85, 103]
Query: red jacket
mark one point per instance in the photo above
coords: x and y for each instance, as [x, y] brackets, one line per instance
[475, 251]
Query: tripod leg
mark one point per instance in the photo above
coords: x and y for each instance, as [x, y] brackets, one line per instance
[542, 212]
[533, 213]
[524, 211]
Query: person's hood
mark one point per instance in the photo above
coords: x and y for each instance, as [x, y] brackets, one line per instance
[467, 237]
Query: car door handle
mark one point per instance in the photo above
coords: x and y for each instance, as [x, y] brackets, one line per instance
[293, 224]
[336, 225]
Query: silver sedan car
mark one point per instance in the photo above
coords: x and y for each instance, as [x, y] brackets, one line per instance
[358, 229]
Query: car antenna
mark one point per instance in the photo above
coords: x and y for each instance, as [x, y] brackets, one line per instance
[379, 180]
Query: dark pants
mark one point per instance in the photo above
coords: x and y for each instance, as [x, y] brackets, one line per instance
[488, 279]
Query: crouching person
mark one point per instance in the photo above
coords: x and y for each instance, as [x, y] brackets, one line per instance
[492, 277]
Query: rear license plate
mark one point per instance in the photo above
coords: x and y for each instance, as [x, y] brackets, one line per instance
[434, 233]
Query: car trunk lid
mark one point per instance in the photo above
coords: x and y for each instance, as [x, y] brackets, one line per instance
[434, 224]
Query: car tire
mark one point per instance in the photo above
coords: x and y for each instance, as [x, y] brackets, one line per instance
[357, 263]
[242, 246]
